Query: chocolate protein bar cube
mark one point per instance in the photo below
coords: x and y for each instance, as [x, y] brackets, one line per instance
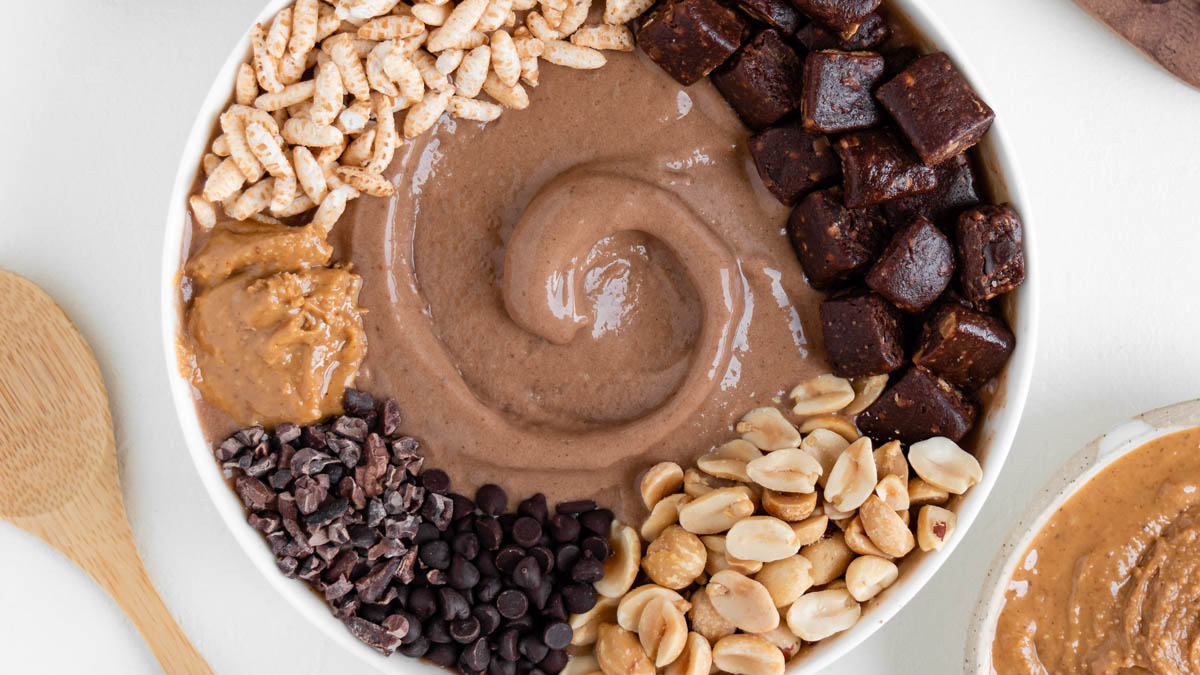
[862, 334]
[689, 38]
[963, 346]
[843, 16]
[991, 260]
[919, 406]
[878, 165]
[778, 14]
[955, 192]
[936, 108]
[793, 162]
[763, 80]
[872, 32]
[834, 244]
[837, 90]
[915, 268]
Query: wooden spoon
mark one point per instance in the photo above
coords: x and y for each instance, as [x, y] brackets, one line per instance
[58, 462]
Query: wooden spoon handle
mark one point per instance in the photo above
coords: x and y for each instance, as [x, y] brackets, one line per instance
[92, 530]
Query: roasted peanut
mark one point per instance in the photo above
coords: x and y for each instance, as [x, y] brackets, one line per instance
[789, 470]
[675, 559]
[829, 557]
[729, 460]
[761, 538]
[868, 575]
[816, 616]
[664, 514]
[786, 579]
[934, 527]
[629, 611]
[716, 511]
[659, 481]
[619, 652]
[706, 620]
[767, 429]
[941, 463]
[747, 655]
[742, 601]
[821, 395]
[622, 566]
[885, 528]
[789, 506]
[852, 478]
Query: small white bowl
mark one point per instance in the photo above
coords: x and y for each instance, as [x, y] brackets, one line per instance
[1081, 468]
[995, 435]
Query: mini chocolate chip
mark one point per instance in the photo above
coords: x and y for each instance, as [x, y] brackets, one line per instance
[490, 533]
[435, 554]
[544, 557]
[416, 648]
[444, 655]
[438, 631]
[597, 547]
[598, 521]
[535, 507]
[526, 531]
[463, 506]
[566, 556]
[462, 573]
[533, 648]
[506, 647]
[587, 571]
[435, 480]
[555, 608]
[426, 532]
[579, 598]
[555, 661]
[465, 630]
[508, 557]
[557, 635]
[564, 528]
[466, 544]
[488, 588]
[578, 506]
[475, 656]
[527, 574]
[486, 562]
[512, 604]
[453, 604]
[489, 618]
[422, 602]
[492, 499]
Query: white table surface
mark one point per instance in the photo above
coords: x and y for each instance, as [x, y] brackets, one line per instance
[98, 97]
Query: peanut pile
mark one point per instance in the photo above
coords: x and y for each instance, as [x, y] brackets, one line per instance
[313, 123]
[774, 540]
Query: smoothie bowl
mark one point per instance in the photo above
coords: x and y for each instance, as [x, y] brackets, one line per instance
[718, 305]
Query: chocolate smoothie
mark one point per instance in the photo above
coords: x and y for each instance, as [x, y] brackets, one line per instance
[580, 289]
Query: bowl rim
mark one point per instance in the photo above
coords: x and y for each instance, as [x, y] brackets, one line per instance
[999, 428]
[1087, 463]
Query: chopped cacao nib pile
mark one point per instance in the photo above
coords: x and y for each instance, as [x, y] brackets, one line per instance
[405, 563]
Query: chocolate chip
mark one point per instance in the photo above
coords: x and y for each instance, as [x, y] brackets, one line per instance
[488, 617]
[492, 499]
[466, 544]
[463, 506]
[535, 507]
[576, 507]
[544, 557]
[527, 574]
[512, 604]
[488, 588]
[598, 521]
[526, 532]
[508, 557]
[475, 657]
[490, 533]
[435, 554]
[555, 608]
[465, 630]
[554, 662]
[596, 547]
[453, 604]
[426, 532]
[415, 649]
[462, 574]
[533, 648]
[587, 571]
[579, 598]
[486, 562]
[444, 655]
[564, 528]
[557, 635]
[507, 645]
[435, 480]
[566, 556]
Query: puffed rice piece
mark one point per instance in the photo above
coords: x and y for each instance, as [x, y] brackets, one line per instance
[328, 93]
[457, 26]
[604, 36]
[332, 207]
[618, 12]
[529, 70]
[304, 27]
[292, 94]
[265, 67]
[328, 23]
[391, 26]
[203, 213]
[387, 139]
[575, 14]
[401, 70]
[432, 14]
[353, 119]
[246, 86]
[279, 33]
[291, 68]
[494, 16]
[220, 146]
[449, 60]
[358, 152]
[308, 132]
[255, 199]
[468, 79]
[513, 97]
[422, 116]
[210, 163]
[224, 181]
[505, 61]
[233, 124]
[426, 64]
[309, 174]
[268, 151]
[366, 181]
[376, 75]
[472, 109]
[340, 48]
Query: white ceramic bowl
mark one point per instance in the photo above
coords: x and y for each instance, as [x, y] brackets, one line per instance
[996, 434]
[1081, 468]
